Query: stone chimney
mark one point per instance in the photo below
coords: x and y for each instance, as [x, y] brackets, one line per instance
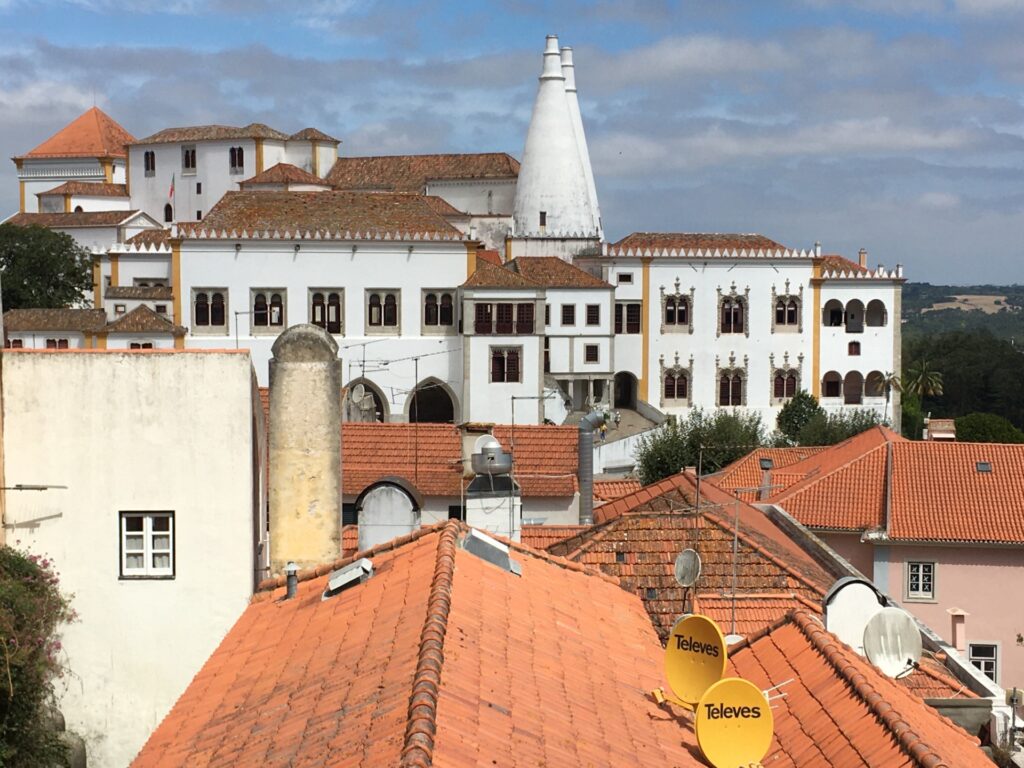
[862, 254]
[305, 448]
[552, 198]
[569, 72]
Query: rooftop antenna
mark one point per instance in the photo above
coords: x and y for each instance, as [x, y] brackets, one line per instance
[892, 641]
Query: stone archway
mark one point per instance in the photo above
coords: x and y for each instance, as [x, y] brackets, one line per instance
[432, 402]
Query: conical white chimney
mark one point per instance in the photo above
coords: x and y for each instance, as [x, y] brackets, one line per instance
[551, 194]
[569, 72]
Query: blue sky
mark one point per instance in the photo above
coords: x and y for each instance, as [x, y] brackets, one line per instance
[845, 121]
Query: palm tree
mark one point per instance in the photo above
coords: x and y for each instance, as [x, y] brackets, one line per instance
[922, 380]
[890, 383]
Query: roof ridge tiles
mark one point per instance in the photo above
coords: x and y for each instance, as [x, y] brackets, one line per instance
[418, 747]
[558, 560]
[831, 648]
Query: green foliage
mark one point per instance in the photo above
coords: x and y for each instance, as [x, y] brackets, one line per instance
[831, 428]
[725, 437]
[912, 417]
[795, 414]
[42, 268]
[922, 379]
[31, 610]
[987, 428]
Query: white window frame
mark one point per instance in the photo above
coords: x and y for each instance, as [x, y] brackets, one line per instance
[504, 349]
[994, 659]
[624, 278]
[210, 330]
[327, 295]
[185, 170]
[921, 567]
[382, 330]
[148, 535]
[592, 362]
[271, 328]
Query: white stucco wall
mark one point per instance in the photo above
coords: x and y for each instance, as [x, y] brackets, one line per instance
[44, 174]
[37, 339]
[132, 432]
[387, 512]
[483, 196]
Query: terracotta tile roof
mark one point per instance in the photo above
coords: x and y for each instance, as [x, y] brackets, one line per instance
[693, 241]
[553, 272]
[429, 456]
[438, 659]
[441, 206]
[544, 536]
[142, 319]
[940, 495]
[754, 612]
[283, 173]
[608, 490]
[410, 173]
[931, 680]
[91, 134]
[747, 473]
[841, 711]
[78, 320]
[546, 458]
[150, 238]
[213, 133]
[156, 292]
[337, 214]
[313, 134]
[640, 550]
[349, 540]
[71, 220]
[490, 256]
[837, 263]
[489, 275]
[87, 189]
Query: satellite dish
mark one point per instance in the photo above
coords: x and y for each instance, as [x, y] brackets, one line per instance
[732, 639]
[358, 393]
[892, 641]
[734, 723]
[849, 605]
[687, 567]
[694, 657]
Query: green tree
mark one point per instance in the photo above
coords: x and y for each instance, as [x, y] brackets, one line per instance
[831, 428]
[987, 428]
[710, 440]
[912, 417]
[890, 383]
[32, 608]
[922, 379]
[41, 268]
[795, 414]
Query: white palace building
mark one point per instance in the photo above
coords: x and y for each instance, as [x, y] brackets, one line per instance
[459, 287]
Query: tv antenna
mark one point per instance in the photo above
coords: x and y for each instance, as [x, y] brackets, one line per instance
[892, 641]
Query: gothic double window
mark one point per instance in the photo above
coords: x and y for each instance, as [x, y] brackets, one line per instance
[785, 381]
[732, 382]
[382, 311]
[267, 310]
[438, 311]
[209, 311]
[675, 382]
[325, 309]
[787, 314]
[732, 311]
[676, 310]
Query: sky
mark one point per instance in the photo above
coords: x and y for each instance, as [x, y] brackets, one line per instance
[891, 125]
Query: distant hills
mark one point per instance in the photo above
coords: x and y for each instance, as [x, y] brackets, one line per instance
[932, 309]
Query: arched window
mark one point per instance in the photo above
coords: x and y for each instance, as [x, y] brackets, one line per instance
[785, 385]
[201, 310]
[318, 310]
[791, 312]
[832, 314]
[853, 388]
[677, 310]
[276, 309]
[334, 313]
[168, 213]
[217, 314]
[853, 348]
[237, 159]
[430, 310]
[676, 386]
[855, 316]
[447, 313]
[149, 162]
[875, 316]
[260, 313]
[79, 209]
[730, 389]
[874, 385]
[390, 310]
[832, 384]
[732, 316]
[374, 313]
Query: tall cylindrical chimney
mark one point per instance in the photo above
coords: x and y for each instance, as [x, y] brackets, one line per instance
[585, 465]
[863, 256]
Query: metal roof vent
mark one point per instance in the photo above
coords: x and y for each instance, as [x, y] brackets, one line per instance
[349, 576]
[490, 549]
[983, 466]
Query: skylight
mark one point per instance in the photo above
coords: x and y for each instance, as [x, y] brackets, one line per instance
[983, 466]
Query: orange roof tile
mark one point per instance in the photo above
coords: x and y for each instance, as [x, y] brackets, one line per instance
[491, 275]
[284, 173]
[91, 134]
[488, 255]
[71, 220]
[837, 263]
[841, 711]
[150, 238]
[692, 241]
[87, 189]
[443, 207]
[213, 133]
[753, 612]
[747, 473]
[439, 658]
[313, 134]
[410, 173]
[608, 490]
[429, 456]
[553, 272]
[80, 320]
[546, 459]
[544, 536]
[142, 319]
[144, 293]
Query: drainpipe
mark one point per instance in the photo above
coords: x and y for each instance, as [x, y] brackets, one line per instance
[292, 583]
[585, 447]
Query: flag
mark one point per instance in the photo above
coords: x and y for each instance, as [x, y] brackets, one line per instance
[170, 193]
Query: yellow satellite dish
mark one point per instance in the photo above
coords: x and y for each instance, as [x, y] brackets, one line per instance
[734, 723]
[694, 657]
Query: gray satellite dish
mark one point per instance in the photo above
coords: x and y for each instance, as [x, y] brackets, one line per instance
[687, 567]
[358, 392]
[892, 641]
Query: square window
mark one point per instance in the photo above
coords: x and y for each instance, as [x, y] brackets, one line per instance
[985, 656]
[593, 314]
[210, 310]
[624, 278]
[147, 545]
[568, 314]
[327, 309]
[161, 309]
[505, 365]
[920, 581]
[591, 353]
[119, 309]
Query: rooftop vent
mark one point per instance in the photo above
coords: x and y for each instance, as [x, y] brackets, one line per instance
[983, 466]
[490, 549]
[349, 576]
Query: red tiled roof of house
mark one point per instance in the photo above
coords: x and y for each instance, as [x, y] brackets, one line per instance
[78, 320]
[334, 213]
[490, 275]
[835, 263]
[142, 319]
[410, 173]
[546, 459]
[488, 255]
[349, 540]
[283, 173]
[754, 612]
[839, 710]
[156, 237]
[609, 490]
[213, 133]
[142, 293]
[87, 189]
[544, 536]
[429, 456]
[71, 220]
[693, 241]
[92, 134]
[746, 472]
[313, 134]
[553, 272]
[440, 658]
[443, 207]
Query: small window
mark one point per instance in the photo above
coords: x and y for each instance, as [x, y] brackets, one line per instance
[543, 218]
[147, 544]
[627, 318]
[591, 353]
[79, 209]
[983, 466]
[149, 162]
[620, 557]
[505, 314]
[568, 314]
[268, 309]
[168, 214]
[505, 365]
[161, 309]
[141, 345]
[199, 187]
[593, 314]
[483, 322]
[15, 344]
[325, 310]
[199, 215]
[56, 343]
[209, 310]
[382, 311]
[985, 656]
[349, 513]
[119, 309]
[920, 581]
[524, 318]
[236, 160]
[853, 348]
[188, 159]
[624, 278]
[457, 511]
[547, 314]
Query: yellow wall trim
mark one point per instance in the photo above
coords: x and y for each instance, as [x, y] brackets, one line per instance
[21, 196]
[108, 170]
[97, 283]
[176, 282]
[259, 155]
[470, 258]
[127, 174]
[67, 203]
[179, 342]
[645, 329]
[816, 346]
[101, 341]
[114, 269]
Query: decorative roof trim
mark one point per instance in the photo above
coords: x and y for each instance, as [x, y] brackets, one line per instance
[199, 232]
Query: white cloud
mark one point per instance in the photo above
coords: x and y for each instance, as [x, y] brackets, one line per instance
[939, 200]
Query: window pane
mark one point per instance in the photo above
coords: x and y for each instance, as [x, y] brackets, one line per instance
[161, 523]
[162, 542]
[133, 523]
[217, 310]
[135, 561]
[162, 560]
